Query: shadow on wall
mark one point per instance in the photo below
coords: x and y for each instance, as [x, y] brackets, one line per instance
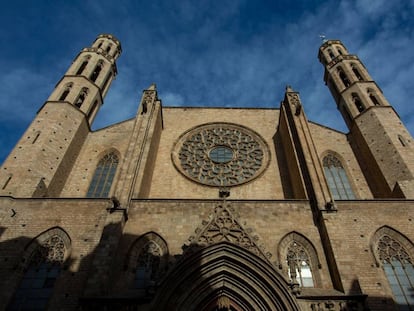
[138, 273]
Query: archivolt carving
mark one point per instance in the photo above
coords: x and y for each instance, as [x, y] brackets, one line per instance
[223, 226]
[247, 154]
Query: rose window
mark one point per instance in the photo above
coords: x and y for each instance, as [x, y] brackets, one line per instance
[220, 154]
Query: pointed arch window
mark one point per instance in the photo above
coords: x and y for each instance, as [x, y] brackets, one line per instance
[45, 264]
[399, 270]
[147, 261]
[82, 66]
[299, 267]
[331, 54]
[358, 103]
[337, 179]
[66, 92]
[356, 72]
[103, 176]
[148, 266]
[343, 77]
[81, 97]
[96, 71]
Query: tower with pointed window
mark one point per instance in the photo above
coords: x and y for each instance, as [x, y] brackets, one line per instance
[42, 159]
[212, 209]
[377, 135]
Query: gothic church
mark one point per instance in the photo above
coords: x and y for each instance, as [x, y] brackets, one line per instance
[209, 209]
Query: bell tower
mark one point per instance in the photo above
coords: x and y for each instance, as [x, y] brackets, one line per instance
[43, 158]
[87, 80]
[381, 142]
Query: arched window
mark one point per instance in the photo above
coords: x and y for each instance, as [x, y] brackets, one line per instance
[358, 103]
[393, 255]
[108, 48]
[148, 266]
[96, 71]
[148, 260]
[100, 44]
[337, 180]
[373, 97]
[66, 92]
[331, 54]
[343, 77]
[36, 286]
[81, 98]
[356, 72]
[298, 263]
[299, 260]
[82, 67]
[340, 51]
[103, 176]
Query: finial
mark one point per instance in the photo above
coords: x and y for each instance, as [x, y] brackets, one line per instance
[152, 87]
[289, 88]
[323, 38]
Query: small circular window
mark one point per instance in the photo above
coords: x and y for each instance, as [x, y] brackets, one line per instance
[221, 154]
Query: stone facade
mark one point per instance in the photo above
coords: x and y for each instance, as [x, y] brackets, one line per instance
[185, 208]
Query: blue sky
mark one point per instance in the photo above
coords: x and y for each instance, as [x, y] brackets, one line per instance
[202, 53]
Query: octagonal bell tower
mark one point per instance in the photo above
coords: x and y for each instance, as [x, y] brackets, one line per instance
[43, 158]
[380, 140]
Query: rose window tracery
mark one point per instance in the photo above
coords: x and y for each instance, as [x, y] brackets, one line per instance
[221, 154]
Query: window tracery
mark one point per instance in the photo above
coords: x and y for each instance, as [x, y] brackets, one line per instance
[337, 179]
[220, 154]
[148, 265]
[36, 286]
[299, 267]
[103, 177]
[398, 268]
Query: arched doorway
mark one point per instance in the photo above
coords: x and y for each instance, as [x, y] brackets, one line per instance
[224, 277]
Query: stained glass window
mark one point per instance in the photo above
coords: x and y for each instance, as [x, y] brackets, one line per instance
[37, 284]
[221, 154]
[299, 265]
[103, 177]
[148, 265]
[337, 180]
[399, 270]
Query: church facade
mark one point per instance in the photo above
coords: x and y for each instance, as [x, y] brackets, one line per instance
[212, 209]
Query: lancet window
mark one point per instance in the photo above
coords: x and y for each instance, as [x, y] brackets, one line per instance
[81, 97]
[147, 261]
[399, 270]
[356, 72]
[96, 71]
[65, 93]
[358, 103]
[299, 267]
[337, 179]
[82, 66]
[103, 176]
[343, 77]
[148, 266]
[36, 286]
